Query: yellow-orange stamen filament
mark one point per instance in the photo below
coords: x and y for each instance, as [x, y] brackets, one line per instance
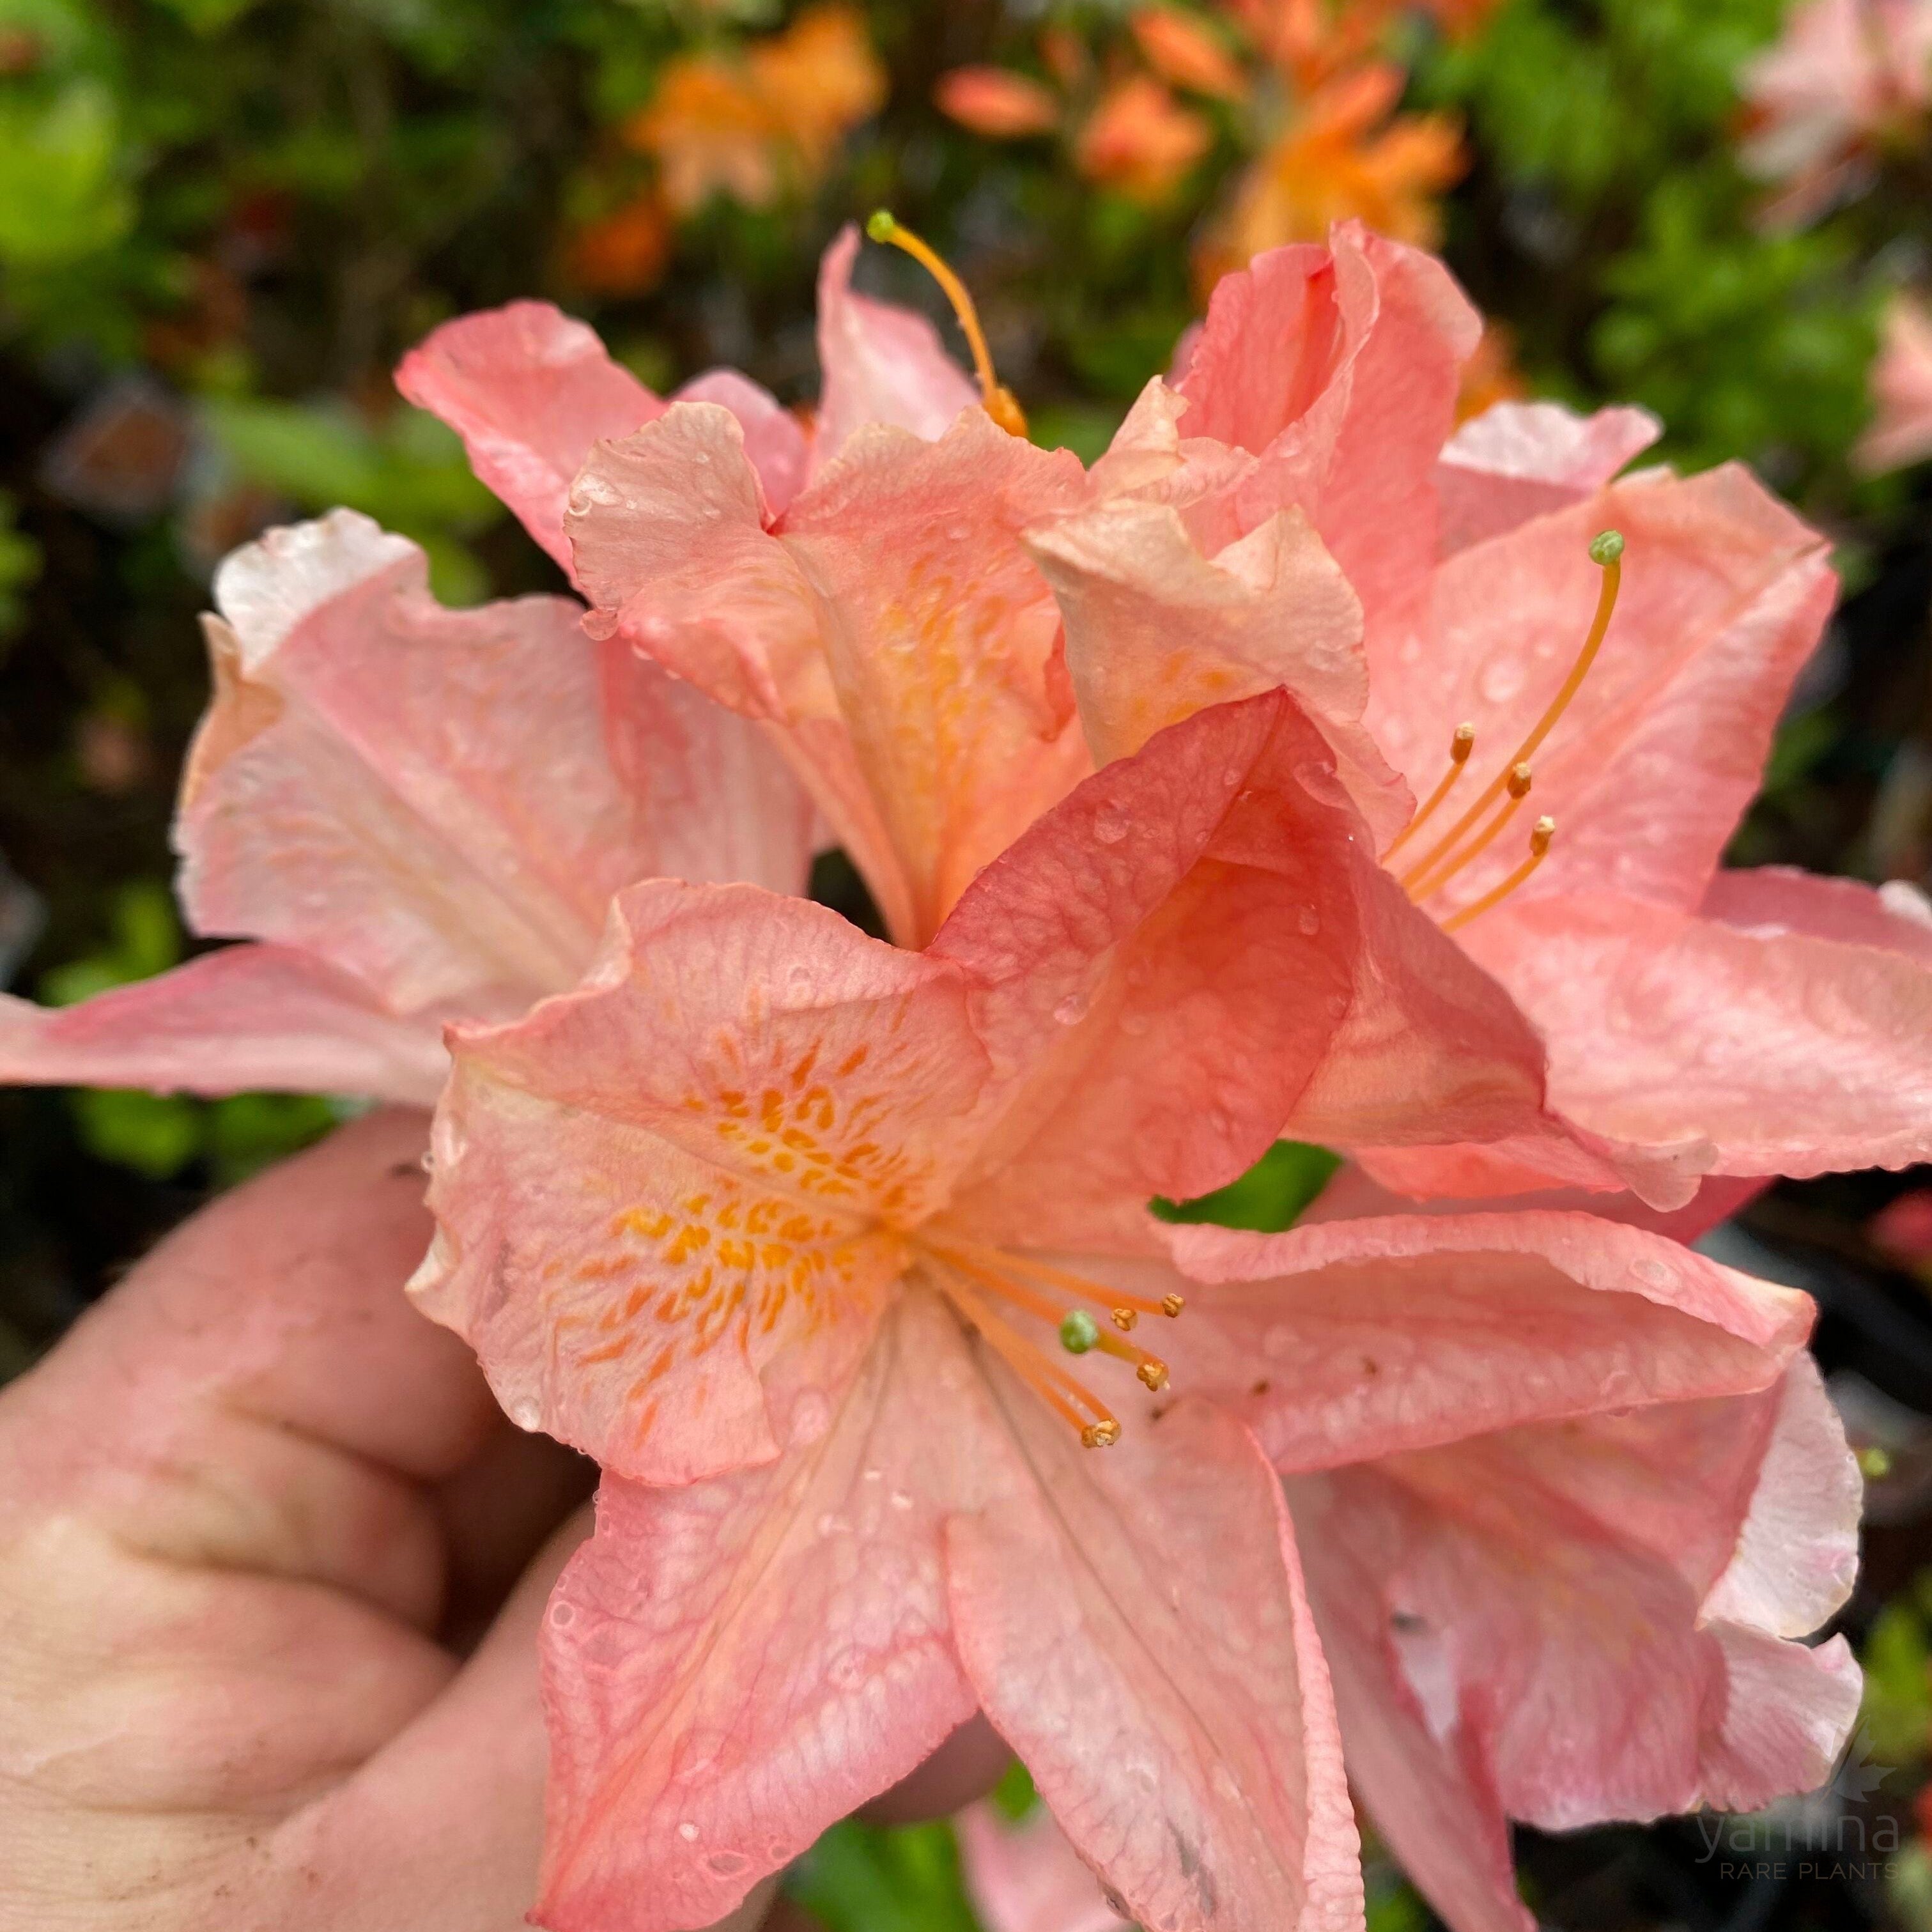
[1426, 880]
[999, 401]
[1066, 1396]
[1005, 1262]
[1607, 552]
[1540, 838]
[1460, 746]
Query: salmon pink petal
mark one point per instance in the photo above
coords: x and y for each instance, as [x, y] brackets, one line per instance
[1156, 631]
[775, 441]
[1901, 382]
[941, 637]
[1587, 1619]
[671, 549]
[1024, 1877]
[248, 1018]
[666, 1202]
[1184, 1739]
[1355, 1194]
[1196, 952]
[1347, 1340]
[731, 1666]
[882, 364]
[1517, 460]
[1724, 594]
[428, 799]
[1777, 1053]
[529, 390]
[1337, 368]
[1771, 901]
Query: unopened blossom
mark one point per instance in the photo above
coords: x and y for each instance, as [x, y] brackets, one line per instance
[1901, 384]
[1847, 78]
[419, 814]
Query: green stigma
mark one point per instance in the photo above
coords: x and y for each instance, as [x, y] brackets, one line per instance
[879, 225]
[1078, 1331]
[1605, 548]
[1874, 1465]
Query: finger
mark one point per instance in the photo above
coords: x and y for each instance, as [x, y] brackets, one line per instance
[258, 1394]
[497, 1511]
[966, 1766]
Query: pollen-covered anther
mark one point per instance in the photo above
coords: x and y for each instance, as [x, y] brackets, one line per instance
[1153, 1373]
[1464, 841]
[1101, 1435]
[1542, 834]
[1123, 1319]
[1171, 1305]
[1460, 745]
[995, 398]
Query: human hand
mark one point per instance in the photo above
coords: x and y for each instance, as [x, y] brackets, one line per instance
[271, 1566]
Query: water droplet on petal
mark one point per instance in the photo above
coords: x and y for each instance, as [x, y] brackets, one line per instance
[688, 1831]
[562, 1615]
[1110, 826]
[1309, 921]
[1071, 1010]
[871, 1475]
[902, 1499]
[727, 1864]
[525, 1412]
[1500, 680]
[831, 1524]
[811, 1417]
[1337, 1004]
[1648, 1268]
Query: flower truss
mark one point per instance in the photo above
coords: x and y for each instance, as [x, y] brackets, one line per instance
[1517, 1507]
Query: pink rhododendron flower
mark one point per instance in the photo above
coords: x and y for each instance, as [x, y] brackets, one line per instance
[1901, 383]
[417, 815]
[1847, 77]
[794, 1231]
[783, 1225]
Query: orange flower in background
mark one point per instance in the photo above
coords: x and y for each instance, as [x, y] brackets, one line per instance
[1141, 140]
[623, 253]
[1182, 50]
[997, 103]
[1337, 160]
[754, 126]
[820, 78]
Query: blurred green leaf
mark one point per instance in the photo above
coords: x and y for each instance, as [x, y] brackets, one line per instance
[1897, 1663]
[1015, 1794]
[62, 191]
[1269, 1198]
[868, 1878]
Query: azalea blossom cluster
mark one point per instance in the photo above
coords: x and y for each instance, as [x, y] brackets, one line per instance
[1306, 767]
[1306, 86]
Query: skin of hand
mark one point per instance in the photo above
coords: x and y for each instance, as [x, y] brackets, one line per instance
[271, 1565]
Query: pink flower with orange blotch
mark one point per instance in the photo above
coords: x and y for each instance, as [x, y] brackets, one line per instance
[420, 814]
[795, 1232]
[1847, 78]
[1901, 383]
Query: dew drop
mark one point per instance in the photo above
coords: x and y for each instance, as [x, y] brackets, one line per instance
[811, 1417]
[1501, 679]
[1134, 1023]
[847, 1670]
[1071, 1010]
[562, 1615]
[525, 1412]
[871, 1475]
[1231, 775]
[902, 1499]
[1278, 1341]
[726, 1865]
[688, 1831]
[831, 1524]
[1110, 826]
[1337, 1004]
[1309, 921]
[1647, 1267]
[959, 532]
